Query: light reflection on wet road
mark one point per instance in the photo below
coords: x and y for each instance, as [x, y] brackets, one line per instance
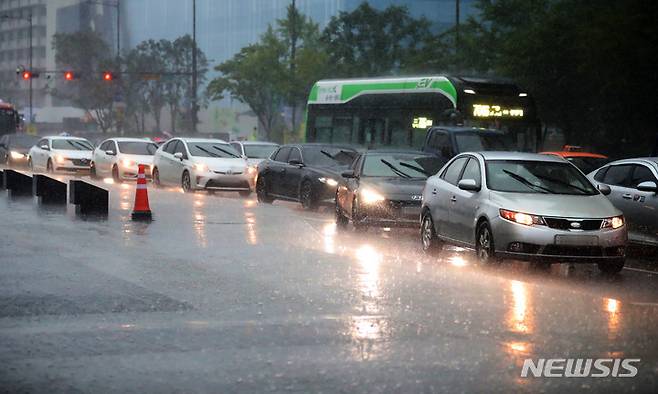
[294, 299]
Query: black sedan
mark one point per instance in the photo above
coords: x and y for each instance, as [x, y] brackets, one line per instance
[307, 173]
[14, 148]
[384, 188]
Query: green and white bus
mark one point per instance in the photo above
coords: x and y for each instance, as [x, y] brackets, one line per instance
[397, 112]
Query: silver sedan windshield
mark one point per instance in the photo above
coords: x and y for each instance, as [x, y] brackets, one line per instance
[521, 176]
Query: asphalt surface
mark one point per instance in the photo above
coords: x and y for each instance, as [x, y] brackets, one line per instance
[222, 294]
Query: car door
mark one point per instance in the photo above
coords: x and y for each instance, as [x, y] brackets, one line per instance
[277, 171]
[40, 157]
[293, 174]
[618, 177]
[100, 158]
[445, 196]
[462, 214]
[642, 211]
[166, 161]
[178, 165]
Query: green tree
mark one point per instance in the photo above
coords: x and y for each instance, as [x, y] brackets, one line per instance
[585, 63]
[88, 56]
[253, 76]
[178, 81]
[368, 42]
[264, 75]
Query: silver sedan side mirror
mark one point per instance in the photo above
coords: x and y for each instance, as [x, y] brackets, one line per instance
[469, 185]
[604, 189]
[647, 186]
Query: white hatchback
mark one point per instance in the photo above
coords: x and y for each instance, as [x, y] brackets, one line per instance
[61, 154]
[120, 158]
[201, 164]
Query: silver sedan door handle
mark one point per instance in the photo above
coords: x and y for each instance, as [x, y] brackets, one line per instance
[434, 191]
[627, 196]
[453, 199]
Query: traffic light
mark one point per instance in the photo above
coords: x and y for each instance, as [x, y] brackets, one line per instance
[27, 75]
[108, 76]
[69, 76]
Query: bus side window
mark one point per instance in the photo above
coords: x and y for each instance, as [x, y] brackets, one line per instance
[323, 130]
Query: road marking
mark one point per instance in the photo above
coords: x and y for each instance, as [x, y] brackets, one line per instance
[641, 270]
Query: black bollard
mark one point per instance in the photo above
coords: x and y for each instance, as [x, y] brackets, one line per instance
[49, 190]
[89, 199]
[17, 183]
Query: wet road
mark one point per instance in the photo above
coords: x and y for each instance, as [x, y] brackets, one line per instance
[222, 294]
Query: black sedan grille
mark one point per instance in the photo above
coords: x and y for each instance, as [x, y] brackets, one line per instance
[573, 224]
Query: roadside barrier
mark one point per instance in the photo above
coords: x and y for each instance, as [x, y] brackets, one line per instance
[17, 183]
[49, 190]
[141, 210]
[88, 198]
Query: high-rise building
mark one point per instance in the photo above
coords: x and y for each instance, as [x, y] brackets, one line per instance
[48, 18]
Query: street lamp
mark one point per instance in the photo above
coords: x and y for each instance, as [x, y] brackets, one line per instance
[29, 19]
[115, 4]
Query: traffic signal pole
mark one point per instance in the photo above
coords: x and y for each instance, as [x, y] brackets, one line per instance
[194, 70]
[30, 20]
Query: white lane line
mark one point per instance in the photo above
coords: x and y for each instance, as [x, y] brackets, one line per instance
[641, 270]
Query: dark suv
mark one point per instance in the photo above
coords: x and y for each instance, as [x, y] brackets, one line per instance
[446, 142]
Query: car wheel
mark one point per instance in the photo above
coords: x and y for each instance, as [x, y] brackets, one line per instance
[357, 220]
[186, 182]
[261, 190]
[245, 193]
[156, 177]
[341, 220]
[611, 268]
[115, 174]
[431, 243]
[484, 244]
[306, 196]
[49, 167]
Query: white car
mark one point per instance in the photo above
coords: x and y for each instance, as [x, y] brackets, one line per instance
[255, 151]
[196, 163]
[120, 157]
[61, 154]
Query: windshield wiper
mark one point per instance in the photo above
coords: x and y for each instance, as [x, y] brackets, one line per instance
[77, 145]
[395, 169]
[418, 169]
[563, 183]
[207, 151]
[528, 183]
[225, 151]
[327, 154]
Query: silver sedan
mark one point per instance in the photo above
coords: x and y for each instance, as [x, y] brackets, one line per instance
[522, 206]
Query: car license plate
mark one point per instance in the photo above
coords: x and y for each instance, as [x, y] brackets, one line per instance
[577, 240]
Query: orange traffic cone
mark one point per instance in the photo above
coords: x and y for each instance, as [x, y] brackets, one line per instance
[141, 211]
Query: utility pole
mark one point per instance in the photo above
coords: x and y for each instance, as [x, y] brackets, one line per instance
[194, 69]
[293, 49]
[456, 27]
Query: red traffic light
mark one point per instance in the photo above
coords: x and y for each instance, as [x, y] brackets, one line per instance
[27, 75]
[107, 76]
[69, 76]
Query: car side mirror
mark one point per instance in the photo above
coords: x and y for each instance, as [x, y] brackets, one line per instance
[348, 174]
[295, 162]
[604, 189]
[468, 185]
[179, 156]
[110, 152]
[45, 147]
[648, 186]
